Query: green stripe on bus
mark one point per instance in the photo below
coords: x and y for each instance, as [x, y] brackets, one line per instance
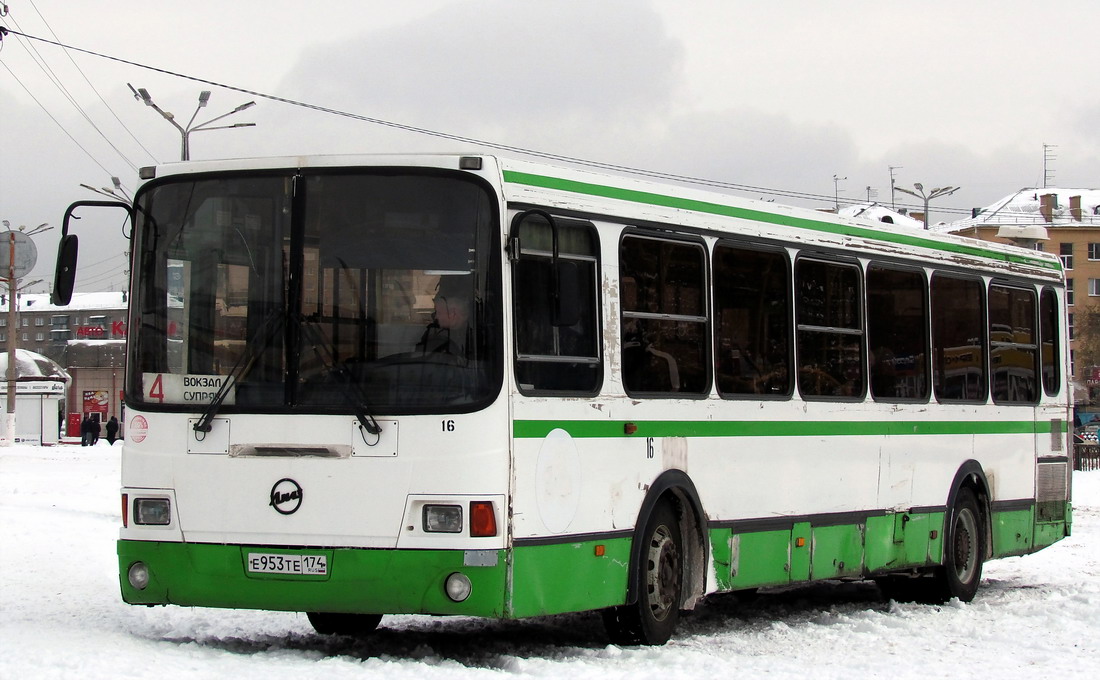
[528, 429]
[649, 198]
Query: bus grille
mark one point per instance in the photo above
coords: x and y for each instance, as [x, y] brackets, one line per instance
[1051, 492]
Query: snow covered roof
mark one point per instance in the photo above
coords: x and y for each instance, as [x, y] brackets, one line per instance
[40, 302]
[1025, 208]
[879, 213]
[30, 366]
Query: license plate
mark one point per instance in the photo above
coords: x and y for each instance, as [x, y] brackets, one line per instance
[305, 565]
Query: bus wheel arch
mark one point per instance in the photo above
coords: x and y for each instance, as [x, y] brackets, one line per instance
[972, 476]
[967, 535]
[671, 500]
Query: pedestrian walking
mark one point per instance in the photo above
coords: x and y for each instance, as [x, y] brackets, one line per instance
[112, 430]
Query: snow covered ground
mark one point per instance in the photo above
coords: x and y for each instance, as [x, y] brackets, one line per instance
[61, 616]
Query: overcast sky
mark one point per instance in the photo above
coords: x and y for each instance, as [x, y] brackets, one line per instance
[782, 94]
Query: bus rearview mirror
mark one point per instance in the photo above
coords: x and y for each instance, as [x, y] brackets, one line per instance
[64, 279]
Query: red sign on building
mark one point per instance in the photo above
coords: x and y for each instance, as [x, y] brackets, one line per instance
[95, 401]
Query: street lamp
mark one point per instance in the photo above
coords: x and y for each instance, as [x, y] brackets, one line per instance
[185, 131]
[926, 197]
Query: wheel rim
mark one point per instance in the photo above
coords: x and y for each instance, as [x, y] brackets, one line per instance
[965, 540]
[663, 573]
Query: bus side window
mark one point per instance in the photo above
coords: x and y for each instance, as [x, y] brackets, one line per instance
[549, 357]
[1048, 334]
[664, 316]
[830, 329]
[752, 302]
[958, 339]
[897, 336]
[1013, 345]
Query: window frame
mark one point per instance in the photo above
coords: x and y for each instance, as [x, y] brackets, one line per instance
[1052, 315]
[983, 328]
[596, 259]
[860, 332]
[926, 313]
[706, 319]
[1065, 254]
[1035, 346]
[716, 341]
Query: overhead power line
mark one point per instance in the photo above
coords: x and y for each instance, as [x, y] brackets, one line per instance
[93, 87]
[40, 61]
[584, 162]
[55, 120]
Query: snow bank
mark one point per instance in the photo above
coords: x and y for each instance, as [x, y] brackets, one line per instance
[1035, 617]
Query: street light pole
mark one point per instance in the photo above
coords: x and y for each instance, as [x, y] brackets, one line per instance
[926, 197]
[185, 131]
[9, 422]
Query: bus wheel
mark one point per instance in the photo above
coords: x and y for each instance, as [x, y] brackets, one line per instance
[963, 551]
[653, 617]
[355, 625]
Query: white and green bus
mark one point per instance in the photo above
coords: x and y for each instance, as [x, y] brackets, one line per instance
[468, 385]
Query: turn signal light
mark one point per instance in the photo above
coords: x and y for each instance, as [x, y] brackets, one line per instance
[125, 510]
[483, 519]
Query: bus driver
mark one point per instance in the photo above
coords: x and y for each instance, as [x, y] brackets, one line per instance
[449, 330]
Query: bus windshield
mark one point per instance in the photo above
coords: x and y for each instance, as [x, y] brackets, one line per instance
[325, 291]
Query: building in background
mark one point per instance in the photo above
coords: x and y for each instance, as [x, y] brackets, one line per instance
[1065, 222]
[88, 339]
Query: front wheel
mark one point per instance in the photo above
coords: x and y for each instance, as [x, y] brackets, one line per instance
[963, 551]
[652, 619]
[354, 625]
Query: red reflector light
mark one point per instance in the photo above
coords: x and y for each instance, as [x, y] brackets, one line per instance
[125, 511]
[483, 519]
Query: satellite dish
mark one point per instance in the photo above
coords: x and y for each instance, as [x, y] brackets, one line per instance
[25, 254]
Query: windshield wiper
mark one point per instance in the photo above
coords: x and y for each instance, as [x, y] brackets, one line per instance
[348, 385]
[243, 366]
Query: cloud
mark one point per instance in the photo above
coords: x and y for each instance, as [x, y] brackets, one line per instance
[538, 72]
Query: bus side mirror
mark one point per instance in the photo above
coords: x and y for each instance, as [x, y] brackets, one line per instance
[64, 278]
[565, 310]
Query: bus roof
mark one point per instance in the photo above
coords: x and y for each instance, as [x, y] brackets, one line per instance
[642, 201]
[586, 192]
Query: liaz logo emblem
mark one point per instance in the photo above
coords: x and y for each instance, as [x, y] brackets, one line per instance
[286, 497]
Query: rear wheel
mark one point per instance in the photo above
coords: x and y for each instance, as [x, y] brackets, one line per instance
[652, 619]
[963, 551]
[355, 625]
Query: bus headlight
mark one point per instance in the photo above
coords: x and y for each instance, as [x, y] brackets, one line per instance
[138, 575]
[152, 511]
[458, 586]
[443, 519]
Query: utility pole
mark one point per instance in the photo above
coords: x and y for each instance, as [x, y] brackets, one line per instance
[836, 190]
[892, 189]
[21, 256]
[185, 131]
[935, 193]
